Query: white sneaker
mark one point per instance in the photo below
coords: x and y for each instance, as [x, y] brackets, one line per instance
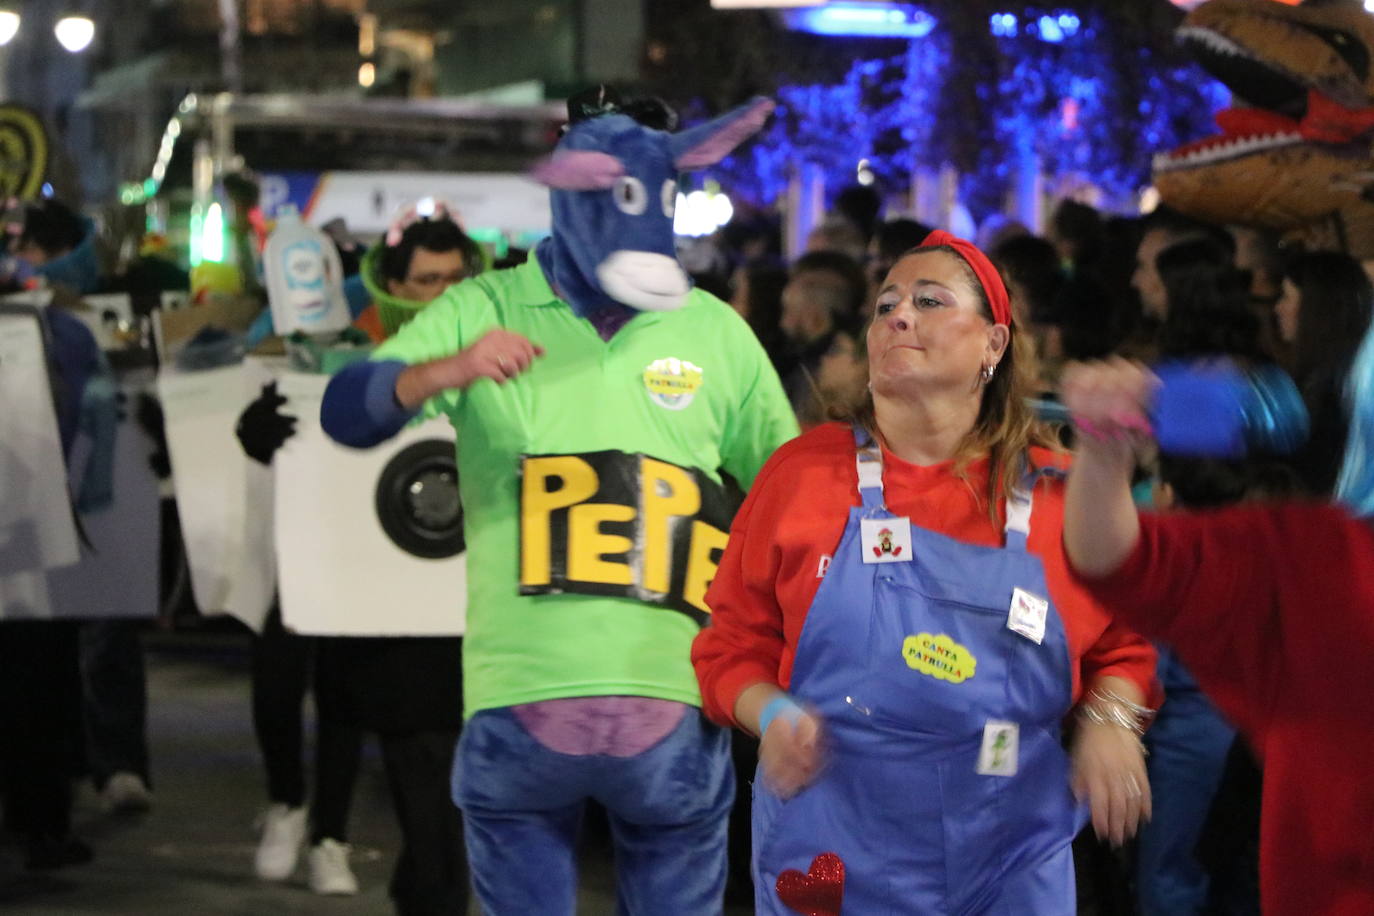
[126, 793]
[329, 871]
[283, 831]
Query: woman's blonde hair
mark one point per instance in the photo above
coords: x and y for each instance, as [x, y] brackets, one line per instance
[1006, 427]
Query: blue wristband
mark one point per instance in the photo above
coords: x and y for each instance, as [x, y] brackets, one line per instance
[783, 705]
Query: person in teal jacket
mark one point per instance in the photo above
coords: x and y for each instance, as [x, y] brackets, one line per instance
[599, 404]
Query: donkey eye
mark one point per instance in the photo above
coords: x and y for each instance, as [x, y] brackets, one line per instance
[669, 197]
[629, 195]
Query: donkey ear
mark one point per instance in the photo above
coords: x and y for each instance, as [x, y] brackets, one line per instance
[706, 144]
[578, 170]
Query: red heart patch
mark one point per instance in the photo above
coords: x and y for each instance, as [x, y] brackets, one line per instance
[819, 892]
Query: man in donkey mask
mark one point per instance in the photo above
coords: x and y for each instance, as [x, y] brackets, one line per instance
[597, 400]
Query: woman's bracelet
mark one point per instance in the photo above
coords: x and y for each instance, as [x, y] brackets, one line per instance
[1107, 707]
[781, 705]
[1107, 695]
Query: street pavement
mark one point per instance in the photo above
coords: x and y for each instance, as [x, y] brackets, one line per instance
[192, 853]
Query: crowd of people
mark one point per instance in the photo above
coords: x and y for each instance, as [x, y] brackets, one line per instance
[959, 658]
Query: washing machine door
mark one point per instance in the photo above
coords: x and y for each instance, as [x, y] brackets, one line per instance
[417, 502]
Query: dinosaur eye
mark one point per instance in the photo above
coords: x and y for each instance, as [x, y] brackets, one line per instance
[629, 195]
[669, 197]
[1353, 52]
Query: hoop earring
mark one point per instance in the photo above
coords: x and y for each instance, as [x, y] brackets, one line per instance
[987, 373]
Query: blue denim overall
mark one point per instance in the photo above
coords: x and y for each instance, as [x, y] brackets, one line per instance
[900, 802]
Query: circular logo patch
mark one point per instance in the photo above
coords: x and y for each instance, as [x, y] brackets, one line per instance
[672, 382]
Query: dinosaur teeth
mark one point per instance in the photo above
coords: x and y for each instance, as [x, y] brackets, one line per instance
[1213, 41]
[1217, 150]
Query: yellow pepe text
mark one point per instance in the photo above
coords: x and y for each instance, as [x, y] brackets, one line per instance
[589, 546]
[708, 543]
[669, 493]
[549, 484]
[940, 657]
[608, 523]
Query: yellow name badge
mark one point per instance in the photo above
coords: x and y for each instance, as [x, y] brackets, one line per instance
[613, 523]
[940, 657]
[672, 382]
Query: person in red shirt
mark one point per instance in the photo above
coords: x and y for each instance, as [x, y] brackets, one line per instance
[893, 616]
[1272, 609]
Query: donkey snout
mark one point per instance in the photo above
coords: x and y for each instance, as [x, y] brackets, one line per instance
[644, 280]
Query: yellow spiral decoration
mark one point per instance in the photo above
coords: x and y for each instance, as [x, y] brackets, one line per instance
[23, 152]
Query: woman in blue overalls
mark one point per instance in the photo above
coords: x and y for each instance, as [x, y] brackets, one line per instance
[931, 649]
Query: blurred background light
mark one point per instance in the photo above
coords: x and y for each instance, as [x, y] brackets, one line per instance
[880, 20]
[74, 33]
[759, 4]
[212, 244]
[9, 25]
[701, 213]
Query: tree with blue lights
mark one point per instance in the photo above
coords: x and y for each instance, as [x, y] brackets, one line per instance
[1085, 103]
[1079, 91]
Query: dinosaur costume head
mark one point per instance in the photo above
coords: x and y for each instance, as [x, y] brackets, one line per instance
[1296, 153]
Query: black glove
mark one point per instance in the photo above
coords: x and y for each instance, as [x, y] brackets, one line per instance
[261, 429]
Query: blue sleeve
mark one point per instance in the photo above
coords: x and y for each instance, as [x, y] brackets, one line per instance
[99, 422]
[359, 407]
[77, 357]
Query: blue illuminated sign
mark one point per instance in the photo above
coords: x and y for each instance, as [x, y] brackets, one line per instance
[882, 20]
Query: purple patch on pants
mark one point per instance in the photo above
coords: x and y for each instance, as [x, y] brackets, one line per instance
[613, 726]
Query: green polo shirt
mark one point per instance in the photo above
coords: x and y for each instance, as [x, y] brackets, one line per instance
[691, 388]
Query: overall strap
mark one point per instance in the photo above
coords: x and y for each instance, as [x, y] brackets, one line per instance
[868, 458]
[1019, 504]
[1018, 510]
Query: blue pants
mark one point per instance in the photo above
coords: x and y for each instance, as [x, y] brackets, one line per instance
[522, 808]
[1188, 745]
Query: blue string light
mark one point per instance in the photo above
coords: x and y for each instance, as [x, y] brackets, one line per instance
[1003, 24]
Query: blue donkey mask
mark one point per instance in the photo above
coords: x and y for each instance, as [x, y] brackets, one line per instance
[613, 186]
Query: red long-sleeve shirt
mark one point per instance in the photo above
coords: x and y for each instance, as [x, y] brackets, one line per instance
[1272, 610]
[792, 522]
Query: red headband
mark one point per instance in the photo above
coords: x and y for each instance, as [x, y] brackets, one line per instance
[987, 275]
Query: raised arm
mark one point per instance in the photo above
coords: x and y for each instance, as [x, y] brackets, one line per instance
[368, 403]
[499, 355]
[1108, 402]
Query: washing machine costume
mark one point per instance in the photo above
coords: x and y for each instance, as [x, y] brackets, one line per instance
[598, 402]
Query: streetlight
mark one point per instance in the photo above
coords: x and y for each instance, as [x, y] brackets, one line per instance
[74, 32]
[9, 23]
